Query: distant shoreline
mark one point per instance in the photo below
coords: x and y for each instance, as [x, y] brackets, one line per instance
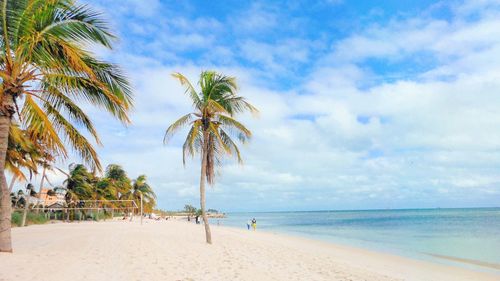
[361, 210]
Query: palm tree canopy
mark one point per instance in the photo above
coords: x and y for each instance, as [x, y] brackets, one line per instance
[116, 180]
[213, 123]
[46, 71]
[81, 184]
[141, 187]
[78, 185]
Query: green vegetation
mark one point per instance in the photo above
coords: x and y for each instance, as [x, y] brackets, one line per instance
[32, 218]
[83, 185]
[141, 187]
[212, 127]
[189, 209]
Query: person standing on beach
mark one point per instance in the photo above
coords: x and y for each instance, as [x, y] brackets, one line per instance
[248, 224]
[254, 224]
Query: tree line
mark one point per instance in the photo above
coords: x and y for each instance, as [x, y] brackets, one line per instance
[83, 188]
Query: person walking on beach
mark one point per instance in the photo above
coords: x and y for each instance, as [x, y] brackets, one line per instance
[248, 224]
[254, 224]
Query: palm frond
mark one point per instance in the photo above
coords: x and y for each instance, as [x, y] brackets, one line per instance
[232, 146]
[40, 126]
[177, 125]
[78, 24]
[190, 91]
[235, 128]
[79, 143]
[213, 107]
[193, 142]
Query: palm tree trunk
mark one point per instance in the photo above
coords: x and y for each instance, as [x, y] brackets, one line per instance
[41, 183]
[26, 206]
[6, 112]
[208, 234]
[12, 182]
[41, 186]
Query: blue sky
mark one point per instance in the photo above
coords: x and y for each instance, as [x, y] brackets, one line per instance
[364, 104]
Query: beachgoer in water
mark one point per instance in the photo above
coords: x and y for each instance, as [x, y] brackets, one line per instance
[254, 224]
[248, 224]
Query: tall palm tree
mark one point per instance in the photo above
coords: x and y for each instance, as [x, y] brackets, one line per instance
[141, 187]
[46, 72]
[212, 126]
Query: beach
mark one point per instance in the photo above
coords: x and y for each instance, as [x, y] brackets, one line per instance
[176, 250]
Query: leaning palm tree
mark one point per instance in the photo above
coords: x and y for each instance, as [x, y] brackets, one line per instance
[78, 185]
[212, 126]
[141, 187]
[46, 72]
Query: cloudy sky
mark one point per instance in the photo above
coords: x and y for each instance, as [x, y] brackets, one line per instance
[363, 104]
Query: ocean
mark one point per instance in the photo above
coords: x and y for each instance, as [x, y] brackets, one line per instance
[462, 237]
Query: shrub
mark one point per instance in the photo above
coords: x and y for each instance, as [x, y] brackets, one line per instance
[34, 218]
[16, 218]
[31, 218]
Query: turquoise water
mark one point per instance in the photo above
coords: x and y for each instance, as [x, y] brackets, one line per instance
[472, 234]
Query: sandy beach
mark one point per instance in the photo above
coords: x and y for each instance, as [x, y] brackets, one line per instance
[175, 250]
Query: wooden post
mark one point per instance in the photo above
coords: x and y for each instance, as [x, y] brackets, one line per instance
[141, 209]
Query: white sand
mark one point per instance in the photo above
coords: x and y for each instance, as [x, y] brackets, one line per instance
[170, 250]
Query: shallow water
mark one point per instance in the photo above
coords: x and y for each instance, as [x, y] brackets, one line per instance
[438, 235]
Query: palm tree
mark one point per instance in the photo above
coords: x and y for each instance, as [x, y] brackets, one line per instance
[141, 187]
[46, 161]
[78, 185]
[212, 126]
[46, 72]
[117, 184]
[190, 210]
[29, 191]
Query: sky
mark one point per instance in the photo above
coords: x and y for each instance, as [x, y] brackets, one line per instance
[363, 104]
